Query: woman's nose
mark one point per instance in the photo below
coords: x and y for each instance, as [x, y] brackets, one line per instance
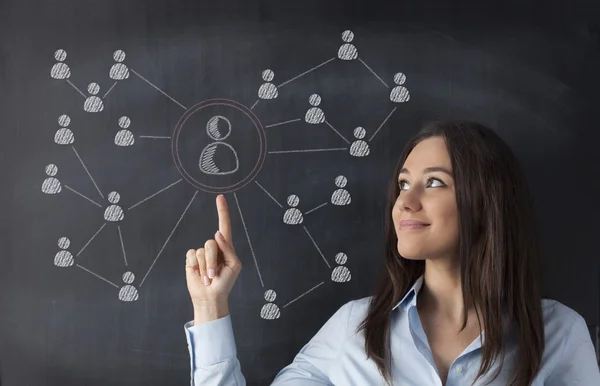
[409, 200]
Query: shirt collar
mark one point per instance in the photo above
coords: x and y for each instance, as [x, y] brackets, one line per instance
[410, 296]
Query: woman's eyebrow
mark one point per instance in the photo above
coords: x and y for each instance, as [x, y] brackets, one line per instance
[429, 170]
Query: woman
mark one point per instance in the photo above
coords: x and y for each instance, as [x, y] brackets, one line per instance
[458, 302]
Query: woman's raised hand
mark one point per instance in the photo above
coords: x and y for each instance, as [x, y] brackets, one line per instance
[211, 271]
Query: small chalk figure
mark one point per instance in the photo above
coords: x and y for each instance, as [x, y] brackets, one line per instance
[270, 311]
[124, 137]
[113, 212]
[118, 71]
[60, 70]
[293, 216]
[341, 274]
[359, 148]
[128, 293]
[63, 258]
[93, 104]
[51, 185]
[268, 90]
[63, 135]
[399, 94]
[314, 115]
[340, 196]
[218, 128]
[347, 51]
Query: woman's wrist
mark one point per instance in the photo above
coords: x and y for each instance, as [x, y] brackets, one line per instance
[209, 311]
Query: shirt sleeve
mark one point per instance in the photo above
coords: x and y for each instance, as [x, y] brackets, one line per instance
[213, 354]
[577, 365]
[312, 365]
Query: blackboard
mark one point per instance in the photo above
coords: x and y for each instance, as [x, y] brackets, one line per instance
[104, 96]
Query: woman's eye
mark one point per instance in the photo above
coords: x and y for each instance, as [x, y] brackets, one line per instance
[430, 182]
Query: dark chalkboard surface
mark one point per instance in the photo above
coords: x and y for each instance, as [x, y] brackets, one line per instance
[123, 120]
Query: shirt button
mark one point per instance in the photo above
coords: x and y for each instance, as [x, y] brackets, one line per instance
[458, 369]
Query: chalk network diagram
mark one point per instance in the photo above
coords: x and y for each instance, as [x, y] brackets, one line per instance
[235, 148]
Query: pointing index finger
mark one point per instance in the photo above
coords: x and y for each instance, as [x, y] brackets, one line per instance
[224, 221]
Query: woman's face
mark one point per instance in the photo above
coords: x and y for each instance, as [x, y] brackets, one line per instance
[427, 194]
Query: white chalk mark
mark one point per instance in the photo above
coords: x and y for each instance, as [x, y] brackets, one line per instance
[382, 123]
[218, 129]
[269, 194]
[399, 94]
[293, 216]
[111, 87]
[60, 70]
[93, 237]
[98, 276]
[359, 148]
[114, 213]
[306, 72]
[87, 198]
[316, 246]
[306, 150]
[119, 71]
[347, 51]
[268, 90]
[87, 171]
[154, 137]
[254, 105]
[122, 245]
[124, 137]
[373, 72]
[248, 238]
[341, 274]
[338, 133]
[164, 93]
[93, 103]
[283, 123]
[341, 196]
[149, 197]
[312, 210]
[75, 87]
[168, 238]
[314, 115]
[318, 285]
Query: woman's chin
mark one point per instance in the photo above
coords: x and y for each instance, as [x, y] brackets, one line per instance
[410, 253]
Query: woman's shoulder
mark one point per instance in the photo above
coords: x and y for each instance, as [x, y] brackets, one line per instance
[555, 312]
[561, 320]
[357, 310]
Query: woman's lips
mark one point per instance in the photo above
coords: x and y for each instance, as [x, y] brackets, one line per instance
[412, 226]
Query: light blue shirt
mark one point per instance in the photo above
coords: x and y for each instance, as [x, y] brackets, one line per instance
[336, 356]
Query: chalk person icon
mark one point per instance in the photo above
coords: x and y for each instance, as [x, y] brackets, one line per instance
[51, 184]
[64, 135]
[119, 70]
[218, 129]
[60, 70]
[63, 258]
[128, 293]
[268, 90]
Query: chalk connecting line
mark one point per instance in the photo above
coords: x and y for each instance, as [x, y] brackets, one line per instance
[315, 116]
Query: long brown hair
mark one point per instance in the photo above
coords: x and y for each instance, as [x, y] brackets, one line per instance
[499, 262]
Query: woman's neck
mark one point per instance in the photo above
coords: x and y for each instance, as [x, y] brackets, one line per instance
[441, 293]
